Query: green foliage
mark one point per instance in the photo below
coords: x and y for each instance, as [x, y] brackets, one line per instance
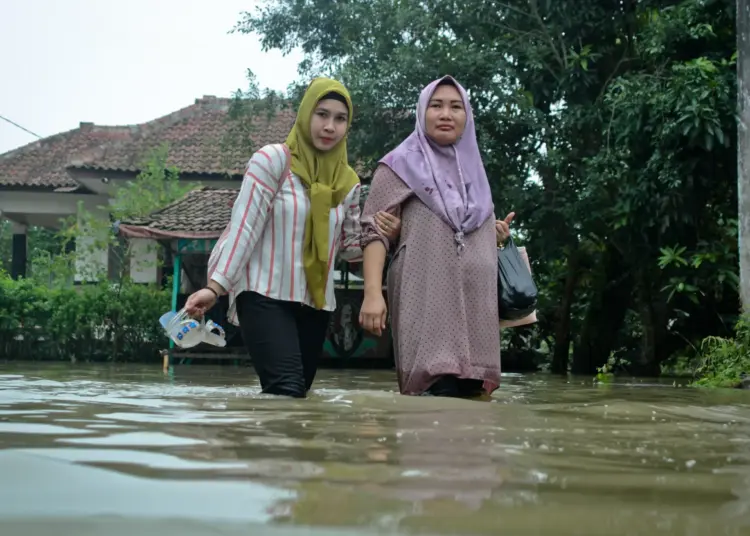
[102, 322]
[157, 185]
[725, 361]
[681, 365]
[41, 242]
[248, 108]
[709, 267]
[615, 365]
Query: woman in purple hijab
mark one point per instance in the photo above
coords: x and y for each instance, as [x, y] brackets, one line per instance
[442, 280]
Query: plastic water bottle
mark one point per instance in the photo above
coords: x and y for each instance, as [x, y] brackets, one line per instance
[213, 334]
[187, 332]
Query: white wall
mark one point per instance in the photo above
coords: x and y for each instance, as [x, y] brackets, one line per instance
[92, 249]
[144, 257]
[92, 259]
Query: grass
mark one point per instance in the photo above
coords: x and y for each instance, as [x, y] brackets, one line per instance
[723, 362]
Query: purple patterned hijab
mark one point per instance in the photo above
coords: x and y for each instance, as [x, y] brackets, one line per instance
[450, 180]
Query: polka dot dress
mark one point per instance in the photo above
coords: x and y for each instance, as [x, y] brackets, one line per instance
[443, 306]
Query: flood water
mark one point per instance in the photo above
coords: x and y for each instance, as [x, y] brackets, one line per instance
[116, 450]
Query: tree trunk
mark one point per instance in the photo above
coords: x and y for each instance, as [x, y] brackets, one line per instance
[562, 329]
[743, 148]
[653, 324]
[610, 299]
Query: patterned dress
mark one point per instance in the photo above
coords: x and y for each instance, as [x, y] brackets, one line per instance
[442, 305]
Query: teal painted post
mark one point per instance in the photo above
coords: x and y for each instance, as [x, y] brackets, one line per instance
[175, 287]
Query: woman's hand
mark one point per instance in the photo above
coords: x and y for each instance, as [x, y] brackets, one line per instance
[388, 224]
[502, 228]
[199, 302]
[373, 314]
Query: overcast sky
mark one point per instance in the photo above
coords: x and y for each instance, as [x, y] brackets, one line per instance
[115, 62]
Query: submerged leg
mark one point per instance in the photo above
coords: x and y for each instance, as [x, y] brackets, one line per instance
[269, 331]
[312, 328]
[445, 386]
[470, 388]
[452, 386]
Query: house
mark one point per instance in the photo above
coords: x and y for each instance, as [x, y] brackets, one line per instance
[44, 181]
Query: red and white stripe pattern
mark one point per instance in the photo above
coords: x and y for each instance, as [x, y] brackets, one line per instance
[261, 248]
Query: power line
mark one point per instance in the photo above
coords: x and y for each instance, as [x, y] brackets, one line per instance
[19, 126]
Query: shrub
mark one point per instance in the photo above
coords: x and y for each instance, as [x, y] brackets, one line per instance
[725, 361]
[101, 322]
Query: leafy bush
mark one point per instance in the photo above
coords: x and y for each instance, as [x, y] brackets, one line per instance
[102, 322]
[725, 361]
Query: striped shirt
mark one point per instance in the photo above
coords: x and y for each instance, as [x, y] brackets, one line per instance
[261, 248]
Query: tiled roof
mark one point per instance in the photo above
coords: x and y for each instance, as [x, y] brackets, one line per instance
[201, 213]
[194, 135]
[41, 164]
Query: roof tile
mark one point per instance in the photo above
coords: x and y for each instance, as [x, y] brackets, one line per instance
[195, 138]
[41, 164]
[204, 211]
[201, 213]
[194, 134]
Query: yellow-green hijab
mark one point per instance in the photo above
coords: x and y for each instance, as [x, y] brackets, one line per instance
[328, 179]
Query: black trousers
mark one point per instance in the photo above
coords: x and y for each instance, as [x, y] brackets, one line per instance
[285, 341]
[451, 386]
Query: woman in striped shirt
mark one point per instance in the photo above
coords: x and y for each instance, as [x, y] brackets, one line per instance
[297, 210]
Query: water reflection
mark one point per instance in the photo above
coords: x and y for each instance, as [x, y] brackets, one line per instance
[543, 456]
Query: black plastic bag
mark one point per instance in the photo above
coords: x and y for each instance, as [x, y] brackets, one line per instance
[516, 290]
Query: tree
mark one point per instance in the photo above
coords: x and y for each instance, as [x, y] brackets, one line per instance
[248, 107]
[606, 125]
[40, 241]
[743, 152]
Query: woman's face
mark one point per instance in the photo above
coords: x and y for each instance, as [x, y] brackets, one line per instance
[445, 117]
[328, 124]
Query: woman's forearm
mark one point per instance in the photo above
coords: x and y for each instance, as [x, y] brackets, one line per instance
[373, 264]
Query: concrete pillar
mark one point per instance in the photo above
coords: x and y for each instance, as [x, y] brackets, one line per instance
[19, 255]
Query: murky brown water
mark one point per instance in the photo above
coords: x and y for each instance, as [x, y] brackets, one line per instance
[111, 450]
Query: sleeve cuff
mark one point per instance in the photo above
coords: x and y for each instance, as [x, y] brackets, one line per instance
[223, 281]
[352, 256]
